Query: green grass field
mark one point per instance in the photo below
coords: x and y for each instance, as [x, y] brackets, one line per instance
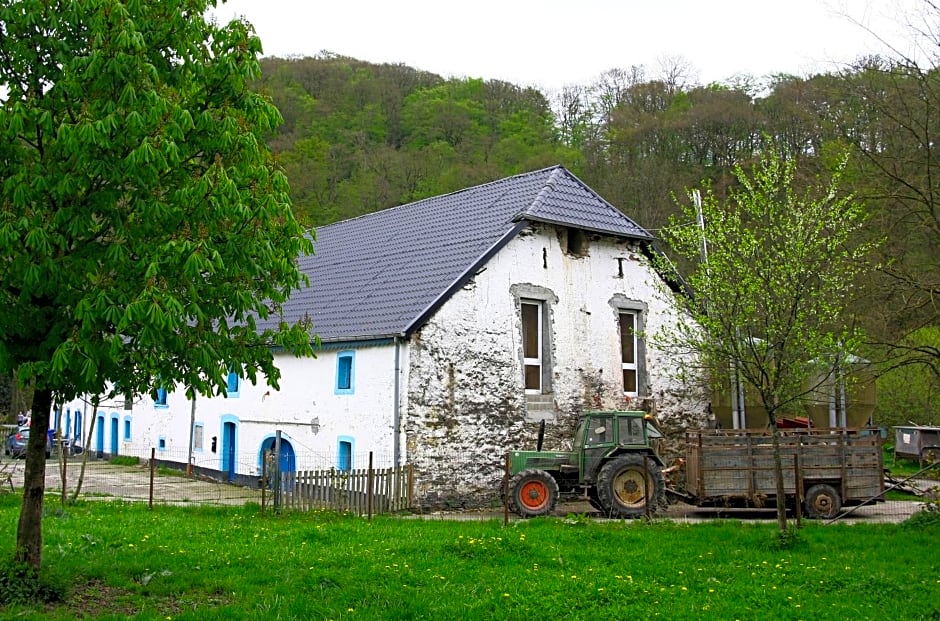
[121, 561]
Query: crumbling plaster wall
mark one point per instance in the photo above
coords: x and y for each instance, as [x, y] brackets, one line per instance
[466, 405]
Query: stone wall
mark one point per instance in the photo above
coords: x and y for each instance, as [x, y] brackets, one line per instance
[466, 404]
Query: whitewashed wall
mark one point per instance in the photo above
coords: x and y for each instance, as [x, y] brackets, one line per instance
[307, 395]
[467, 404]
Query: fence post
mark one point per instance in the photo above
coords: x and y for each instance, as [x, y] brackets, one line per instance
[264, 479]
[369, 492]
[507, 466]
[153, 468]
[277, 471]
[411, 485]
[798, 489]
[64, 457]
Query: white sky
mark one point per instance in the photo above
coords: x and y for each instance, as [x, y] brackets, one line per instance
[553, 43]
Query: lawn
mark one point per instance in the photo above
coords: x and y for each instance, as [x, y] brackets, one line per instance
[120, 561]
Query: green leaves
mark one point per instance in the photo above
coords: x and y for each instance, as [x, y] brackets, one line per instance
[144, 220]
[772, 294]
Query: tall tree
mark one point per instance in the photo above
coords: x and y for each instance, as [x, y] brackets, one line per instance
[147, 235]
[896, 104]
[771, 284]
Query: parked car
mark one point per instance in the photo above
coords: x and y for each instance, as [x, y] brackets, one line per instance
[16, 443]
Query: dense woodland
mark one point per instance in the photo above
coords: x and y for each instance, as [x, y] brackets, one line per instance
[358, 137]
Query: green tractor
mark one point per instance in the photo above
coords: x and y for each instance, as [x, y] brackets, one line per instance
[613, 463]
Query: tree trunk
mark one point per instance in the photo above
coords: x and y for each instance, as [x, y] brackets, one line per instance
[29, 532]
[86, 449]
[778, 474]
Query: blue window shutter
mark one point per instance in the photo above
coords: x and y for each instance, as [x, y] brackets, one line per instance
[232, 381]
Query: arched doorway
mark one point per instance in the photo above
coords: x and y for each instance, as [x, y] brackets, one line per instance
[288, 459]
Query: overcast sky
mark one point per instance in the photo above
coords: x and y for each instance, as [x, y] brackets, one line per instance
[553, 43]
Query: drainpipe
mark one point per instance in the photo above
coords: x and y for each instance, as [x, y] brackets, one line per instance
[396, 411]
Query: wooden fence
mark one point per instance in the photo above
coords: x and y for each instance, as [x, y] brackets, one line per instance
[361, 491]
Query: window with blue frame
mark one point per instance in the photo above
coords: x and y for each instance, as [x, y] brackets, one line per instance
[127, 428]
[159, 399]
[344, 454]
[233, 383]
[161, 443]
[345, 373]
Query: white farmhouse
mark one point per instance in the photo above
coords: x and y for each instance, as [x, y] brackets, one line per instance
[449, 327]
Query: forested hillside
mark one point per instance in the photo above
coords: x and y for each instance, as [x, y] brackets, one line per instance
[358, 137]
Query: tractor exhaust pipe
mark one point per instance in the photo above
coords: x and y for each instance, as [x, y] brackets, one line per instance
[538, 445]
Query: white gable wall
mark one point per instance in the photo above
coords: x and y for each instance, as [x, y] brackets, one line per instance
[467, 404]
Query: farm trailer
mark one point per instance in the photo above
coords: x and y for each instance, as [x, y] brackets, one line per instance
[827, 468]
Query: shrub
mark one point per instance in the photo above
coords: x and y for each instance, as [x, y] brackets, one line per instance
[927, 517]
[19, 584]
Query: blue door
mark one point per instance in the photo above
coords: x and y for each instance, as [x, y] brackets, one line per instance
[345, 456]
[99, 437]
[287, 461]
[228, 450]
[114, 437]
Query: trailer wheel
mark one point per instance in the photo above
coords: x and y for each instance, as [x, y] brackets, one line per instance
[533, 493]
[823, 501]
[624, 486]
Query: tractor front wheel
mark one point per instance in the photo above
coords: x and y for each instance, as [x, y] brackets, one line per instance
[626, 484]
[533, 493]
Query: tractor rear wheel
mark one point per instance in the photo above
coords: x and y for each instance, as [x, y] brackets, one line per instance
[625, 485]
[823, 502]
[533, 493]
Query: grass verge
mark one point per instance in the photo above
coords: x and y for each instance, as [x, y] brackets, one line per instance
[121, 561]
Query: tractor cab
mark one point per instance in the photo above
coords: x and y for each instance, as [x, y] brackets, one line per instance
[603, 435]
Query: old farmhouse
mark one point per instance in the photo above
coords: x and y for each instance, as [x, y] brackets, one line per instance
[449, 327]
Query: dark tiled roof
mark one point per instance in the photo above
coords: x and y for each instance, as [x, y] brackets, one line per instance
[383, 274]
